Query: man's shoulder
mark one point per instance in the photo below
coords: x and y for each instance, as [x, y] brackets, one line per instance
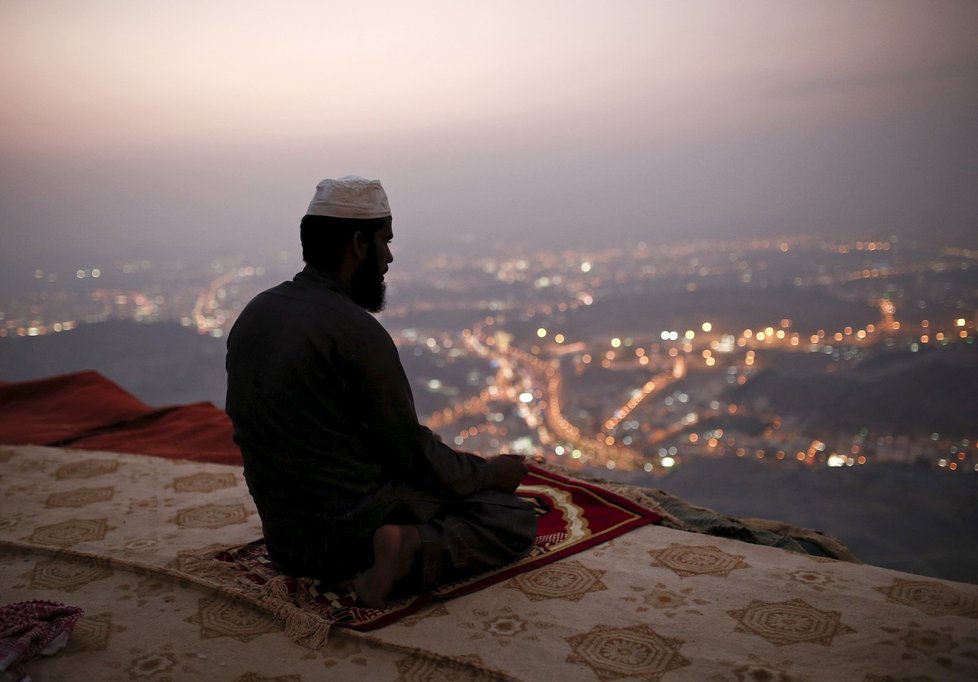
[300, 293]
[318, 306]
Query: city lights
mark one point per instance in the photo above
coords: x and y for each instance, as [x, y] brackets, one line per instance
[620, 392]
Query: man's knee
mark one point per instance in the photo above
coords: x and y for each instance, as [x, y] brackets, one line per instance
[512, 520]
[525, 522]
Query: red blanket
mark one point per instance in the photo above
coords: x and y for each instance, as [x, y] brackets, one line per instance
[87, 411]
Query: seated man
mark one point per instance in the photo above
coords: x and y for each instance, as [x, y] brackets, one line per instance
[348, 484]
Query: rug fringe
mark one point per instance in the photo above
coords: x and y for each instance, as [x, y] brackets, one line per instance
[274, 597]
[303, 628]
[201, 563]
[641, 497]
[276, 588]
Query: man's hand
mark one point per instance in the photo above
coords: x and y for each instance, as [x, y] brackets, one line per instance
[507, 472]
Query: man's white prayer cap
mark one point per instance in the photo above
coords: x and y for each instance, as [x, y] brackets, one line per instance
[350, 197]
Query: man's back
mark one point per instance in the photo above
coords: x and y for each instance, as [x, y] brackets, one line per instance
[293, 391]
[325, 420]
[296, 398]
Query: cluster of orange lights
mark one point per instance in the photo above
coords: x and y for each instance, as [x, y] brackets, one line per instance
[961, 324]
[37, 329]
[867, 273]
[951, 464]
[565, 428]
[484, 428]
[862, 246]
[711, 439]
[628, 407]
[818, 451]
[471, 405]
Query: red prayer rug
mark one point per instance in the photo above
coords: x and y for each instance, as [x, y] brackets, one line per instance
[573, 516]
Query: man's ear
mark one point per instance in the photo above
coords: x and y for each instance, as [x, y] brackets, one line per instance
[360, 245]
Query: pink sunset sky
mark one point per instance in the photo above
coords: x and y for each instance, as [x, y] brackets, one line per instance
[131, 125]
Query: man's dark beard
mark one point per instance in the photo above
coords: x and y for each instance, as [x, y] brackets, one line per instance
[367, 287]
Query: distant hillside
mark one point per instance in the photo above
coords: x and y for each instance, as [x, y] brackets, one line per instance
[894, 515]
[896, 392]
[728, 308]
[161, 363]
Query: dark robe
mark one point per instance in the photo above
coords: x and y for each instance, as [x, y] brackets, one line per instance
[332, 448]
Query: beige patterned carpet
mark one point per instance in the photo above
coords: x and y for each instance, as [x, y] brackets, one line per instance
[111, 533]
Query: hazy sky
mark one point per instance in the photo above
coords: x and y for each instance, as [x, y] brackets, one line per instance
[206, 125]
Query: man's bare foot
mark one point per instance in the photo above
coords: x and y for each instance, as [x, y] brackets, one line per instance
[394, 550]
